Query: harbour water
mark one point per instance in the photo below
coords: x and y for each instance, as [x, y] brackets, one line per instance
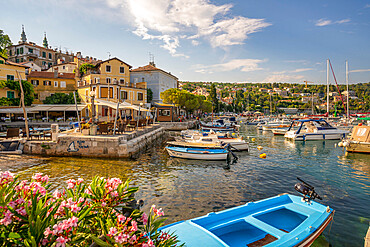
[186, 189]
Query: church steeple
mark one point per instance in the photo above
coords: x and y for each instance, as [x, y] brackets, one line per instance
[45, 41]
[23, 35]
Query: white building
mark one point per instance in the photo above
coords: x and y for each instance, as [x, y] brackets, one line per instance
[157, 80]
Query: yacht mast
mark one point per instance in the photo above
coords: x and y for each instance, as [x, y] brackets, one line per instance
[327, 89]
[347, 81]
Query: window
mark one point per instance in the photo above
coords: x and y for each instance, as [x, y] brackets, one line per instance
[43, 63]
[30, 50]
[35, 82]
[10, 94]
[108, 80]
[36, 96]
[122, 81]
[44, 54]
[122, 70]
[140, 96]
[63, 84]
[22, 60]
[21, 50]
[123, 95]
[104, 92]
[64, 67]
[10, 77]
[107, 68]
[47, 83]
[50, 56]
[17, 60]
[50, 65]
[10, 52]
[164, 112]
[17, 51]
[55, 83]
[1, 61]
[31, 59]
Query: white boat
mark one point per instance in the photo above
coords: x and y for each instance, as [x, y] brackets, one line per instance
[314, 129]
[277, 124]
[198, 153]
[359, 142]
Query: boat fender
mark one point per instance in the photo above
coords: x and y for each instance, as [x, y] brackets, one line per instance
[345, 144]
[260, 148]
[263, 156]
[253, 139]
[327, 209]
[340, 144]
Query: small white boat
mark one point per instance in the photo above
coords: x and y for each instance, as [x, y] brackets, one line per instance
[277, 124]
[198, 153]
[359, 142]
[314, 129]
[280, 132]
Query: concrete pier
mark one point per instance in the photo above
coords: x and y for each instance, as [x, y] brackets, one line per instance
[178, 125]
[119, 146]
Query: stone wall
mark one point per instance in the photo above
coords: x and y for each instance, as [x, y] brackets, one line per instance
[178, 125]
[122, 146]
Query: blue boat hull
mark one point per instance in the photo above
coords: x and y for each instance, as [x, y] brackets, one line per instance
[283, 220]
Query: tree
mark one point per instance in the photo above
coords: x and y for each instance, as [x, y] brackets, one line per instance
[213, 97]
[4, 43]
[14, 85]
[149, 95]
[61, 98]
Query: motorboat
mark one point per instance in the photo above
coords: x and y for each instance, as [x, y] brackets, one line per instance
[314, 129]
[359, 142]
[277, 124]
[198, 153]
[280, 132]
[283, 220]
[212, 141]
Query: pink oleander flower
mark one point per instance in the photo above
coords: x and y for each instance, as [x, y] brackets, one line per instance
[133, 226]
[45, 241]
[57, 194]
[45, 179]
[103, 204]
[121, 218]
[47, 232]
[71, 183]
[13, 204]
[80, 180]
[112, 231]
[119, 238]
[158, 212]
[132, 239]
[73, 221]
[37, 176]
[61, 242]
[20, 201]
[21, 211]
[81, 199]
[37, 187]
[144, 218]
[6, 177]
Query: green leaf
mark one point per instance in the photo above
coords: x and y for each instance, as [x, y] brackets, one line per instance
[99, 241]
[14, 235]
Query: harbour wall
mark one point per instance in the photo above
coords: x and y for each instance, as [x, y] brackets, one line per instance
[121, 146]
[177, 126]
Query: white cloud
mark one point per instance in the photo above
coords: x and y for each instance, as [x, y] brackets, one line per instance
[195, 42]
[343, 21]
[326, 22]
[301, 70]
[172, 20]
[360, 70]
[367, 6]
[323, 22]
[244, 65]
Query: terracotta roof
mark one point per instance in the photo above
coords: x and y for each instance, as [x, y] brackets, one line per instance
[16, 64]
[44, 74]
[150, 67]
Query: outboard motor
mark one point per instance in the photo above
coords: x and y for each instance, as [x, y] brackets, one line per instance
[307, 191]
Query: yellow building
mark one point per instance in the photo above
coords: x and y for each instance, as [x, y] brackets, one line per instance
[111, 75]
[48, 83]
[8, 71]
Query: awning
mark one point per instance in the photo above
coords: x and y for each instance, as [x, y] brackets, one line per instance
[122, 106]
[15, 110]
[163, 104]
[45, 107]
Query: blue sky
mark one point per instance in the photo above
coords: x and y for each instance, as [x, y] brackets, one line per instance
[201, 40]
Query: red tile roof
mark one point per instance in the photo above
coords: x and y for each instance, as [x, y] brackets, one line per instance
[44, 74]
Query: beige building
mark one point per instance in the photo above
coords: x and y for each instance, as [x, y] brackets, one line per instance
[10, 71]
[48, 83]
[113, 76]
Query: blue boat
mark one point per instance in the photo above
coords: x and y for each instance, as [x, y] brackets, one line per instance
[283, 220]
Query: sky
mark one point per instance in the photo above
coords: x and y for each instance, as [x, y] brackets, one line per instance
[207, 40]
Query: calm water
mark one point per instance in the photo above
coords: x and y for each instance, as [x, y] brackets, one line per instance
[186, 189]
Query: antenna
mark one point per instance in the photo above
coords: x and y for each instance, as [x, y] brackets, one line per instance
[109, 55]
[151, 59]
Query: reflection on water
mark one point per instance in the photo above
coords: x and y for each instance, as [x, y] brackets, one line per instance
[187, 189]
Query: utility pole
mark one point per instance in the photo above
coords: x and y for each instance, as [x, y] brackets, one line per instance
[270, 105]
[23, 106]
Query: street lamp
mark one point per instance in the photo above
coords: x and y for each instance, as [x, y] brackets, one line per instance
[138, 116]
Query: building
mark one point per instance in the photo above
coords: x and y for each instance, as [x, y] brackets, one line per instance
[64, 67]
[31, 65]
[157, 80]
[351, 93]
[10, 71]
[43, 56]
[48, 83]
[111, 75]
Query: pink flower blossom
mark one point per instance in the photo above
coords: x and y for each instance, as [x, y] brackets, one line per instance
[37, 176]
[133, 226]
[21, 211]
[45, 241]
[45, 179]
[57, 194]
[144, 218]
[121, 218]
[132, 239]
[71, 183]
[61, 242]
[79, 181]
[47, 232]
[112, 231]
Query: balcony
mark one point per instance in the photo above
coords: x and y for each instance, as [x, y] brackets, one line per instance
[32, 54]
